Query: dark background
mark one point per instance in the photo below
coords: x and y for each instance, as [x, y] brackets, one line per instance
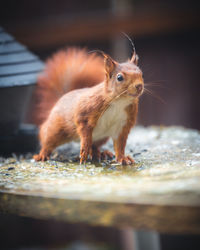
[166, 35]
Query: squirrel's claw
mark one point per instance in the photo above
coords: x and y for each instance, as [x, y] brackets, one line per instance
[126, 160]
[107, 155]
[41, 157]
[84, 155]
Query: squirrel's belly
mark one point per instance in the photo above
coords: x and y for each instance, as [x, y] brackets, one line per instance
[110, 124]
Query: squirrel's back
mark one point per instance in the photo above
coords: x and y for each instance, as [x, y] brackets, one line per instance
[66, 70]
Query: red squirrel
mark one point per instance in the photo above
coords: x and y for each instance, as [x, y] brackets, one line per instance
[85, 98]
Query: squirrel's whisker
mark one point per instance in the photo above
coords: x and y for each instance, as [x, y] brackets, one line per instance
[151, 93]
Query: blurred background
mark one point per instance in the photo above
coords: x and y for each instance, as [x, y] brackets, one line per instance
[166, 37]
[165, 33]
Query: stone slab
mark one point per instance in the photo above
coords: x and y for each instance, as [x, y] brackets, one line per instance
[160, 192]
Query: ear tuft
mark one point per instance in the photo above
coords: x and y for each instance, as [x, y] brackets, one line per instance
[135, 58]
[109, 64]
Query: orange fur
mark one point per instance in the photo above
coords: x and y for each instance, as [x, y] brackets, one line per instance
[66, 70]
[91, 115]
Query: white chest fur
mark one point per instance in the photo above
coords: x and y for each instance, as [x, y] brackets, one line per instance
[112, 121]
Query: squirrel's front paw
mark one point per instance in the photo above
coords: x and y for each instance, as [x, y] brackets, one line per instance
[126, 160]
[84, 155]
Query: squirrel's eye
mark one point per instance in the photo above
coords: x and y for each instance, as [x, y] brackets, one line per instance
[120, 77]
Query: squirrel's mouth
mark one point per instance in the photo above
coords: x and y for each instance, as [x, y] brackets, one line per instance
[134, 95]
[137, 90]
[137, 94]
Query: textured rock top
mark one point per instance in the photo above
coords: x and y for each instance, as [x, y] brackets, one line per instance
[167, 171]
[160, 192]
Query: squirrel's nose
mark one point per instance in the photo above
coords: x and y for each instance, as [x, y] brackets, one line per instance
[139, 87]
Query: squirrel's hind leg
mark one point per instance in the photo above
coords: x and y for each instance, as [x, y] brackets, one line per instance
[50, 138]
[48, 145]
[43, 155]
[97, 155]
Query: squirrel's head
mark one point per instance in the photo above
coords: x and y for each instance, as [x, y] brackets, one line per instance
[123, 79]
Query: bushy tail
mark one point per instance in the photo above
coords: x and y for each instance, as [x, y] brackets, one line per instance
[66, 70]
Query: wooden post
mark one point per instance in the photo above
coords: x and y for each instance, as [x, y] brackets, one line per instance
[120, 45]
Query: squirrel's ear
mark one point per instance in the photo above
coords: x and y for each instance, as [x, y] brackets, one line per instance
[109, 65]
[135, 58]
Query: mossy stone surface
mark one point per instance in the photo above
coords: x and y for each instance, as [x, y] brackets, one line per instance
[160, 192]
